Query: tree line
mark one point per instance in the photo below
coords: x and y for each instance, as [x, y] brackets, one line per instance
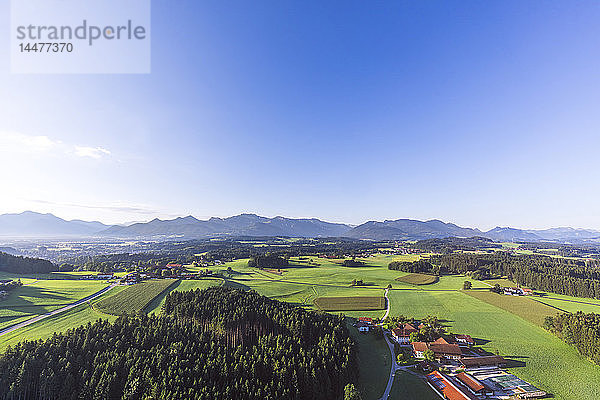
[580, 330]
[218, 343]
[24, 265]
[558, 275]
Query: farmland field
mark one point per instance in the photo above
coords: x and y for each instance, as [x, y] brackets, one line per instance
[350, 303]
[509, 328]
[418, 279]
[537, 356]
[38, 297]
[523, 306]
[133, 299]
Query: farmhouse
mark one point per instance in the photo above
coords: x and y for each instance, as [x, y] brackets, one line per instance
[402, 333]
[441, 349]
[464, 340]
[485, 361]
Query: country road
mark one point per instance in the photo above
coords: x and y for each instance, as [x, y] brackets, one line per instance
[391, 347]
[51, 313]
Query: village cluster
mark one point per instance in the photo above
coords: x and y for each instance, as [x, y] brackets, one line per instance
[453, 366]
[170, 271]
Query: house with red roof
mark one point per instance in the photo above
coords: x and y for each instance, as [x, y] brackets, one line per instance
[402, 333]
[441, 349]
[464, 340]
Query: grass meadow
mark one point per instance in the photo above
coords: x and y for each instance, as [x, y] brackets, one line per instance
[498, 323]
[352, 303]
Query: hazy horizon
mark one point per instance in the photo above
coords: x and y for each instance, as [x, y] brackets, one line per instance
[479, 114]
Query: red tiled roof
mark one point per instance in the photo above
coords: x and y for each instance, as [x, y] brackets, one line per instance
[365, 319]
[443, 385]
[465, 338]
[471, 382]
[419, 346]
[442, 349]
[441, 340]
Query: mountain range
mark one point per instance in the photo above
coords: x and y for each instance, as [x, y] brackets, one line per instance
[32, 224]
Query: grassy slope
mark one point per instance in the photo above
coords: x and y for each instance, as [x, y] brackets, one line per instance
[44, 329]
[42, 296]
[548, 362]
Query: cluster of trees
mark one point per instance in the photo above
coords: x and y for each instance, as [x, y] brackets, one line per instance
[25, 265]
[351, 262]
[420, 266]
[357, 282]
[558, 275]
[268, 261]
[219, 343]
[580, 330]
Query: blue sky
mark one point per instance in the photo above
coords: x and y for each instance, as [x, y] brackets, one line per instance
[478, 113]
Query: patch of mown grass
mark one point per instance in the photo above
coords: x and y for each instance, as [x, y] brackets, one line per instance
[418, 279]
[133, 299]
[546, 361]
[526, 308]
[350, 303]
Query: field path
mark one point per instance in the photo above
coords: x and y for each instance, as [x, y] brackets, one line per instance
[51, 313]
[387, 302]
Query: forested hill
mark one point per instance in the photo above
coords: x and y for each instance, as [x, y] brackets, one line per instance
[24, 265]
[218, 343]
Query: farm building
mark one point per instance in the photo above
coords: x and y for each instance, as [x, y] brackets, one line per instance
[441, 349]
[366, 320]
[517, 387]
[402, 333]
[485, 361]
[473, 385]
[446, 389]
[363, 326]
[464, 340]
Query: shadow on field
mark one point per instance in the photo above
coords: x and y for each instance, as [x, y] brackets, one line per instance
[236, 285]
[512, 363]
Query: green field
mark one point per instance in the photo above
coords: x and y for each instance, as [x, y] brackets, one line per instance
[38, 297]
[353, 303]
[502, 323]
[418, 279]
[537, 356]
[524, 306]
[133, 299]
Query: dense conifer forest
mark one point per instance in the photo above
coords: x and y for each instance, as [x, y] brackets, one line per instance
[580, 330]
[24, 265]
[217, 343]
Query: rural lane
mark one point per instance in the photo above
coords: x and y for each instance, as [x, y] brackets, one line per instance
[51, 313]
[391, 347]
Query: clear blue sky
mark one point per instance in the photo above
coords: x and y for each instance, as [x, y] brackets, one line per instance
[479, 113]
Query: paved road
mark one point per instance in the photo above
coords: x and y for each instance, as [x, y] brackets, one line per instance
[51, 313]
[391, 347]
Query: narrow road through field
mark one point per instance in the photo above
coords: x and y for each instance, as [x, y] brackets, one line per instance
[51, 313]
[391, 347]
